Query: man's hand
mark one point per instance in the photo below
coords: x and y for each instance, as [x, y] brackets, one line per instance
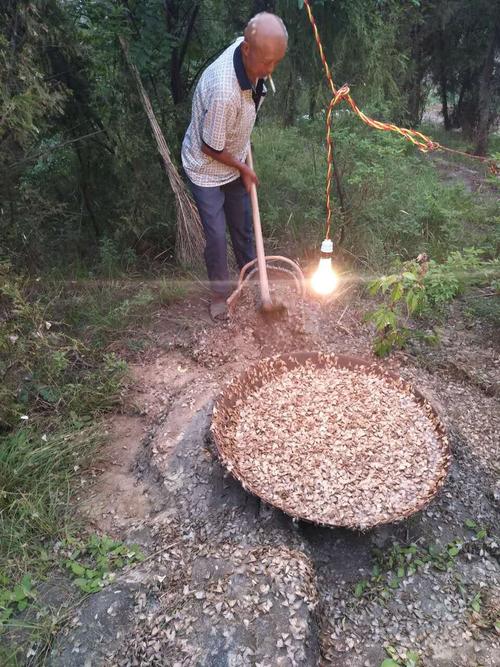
[249, 177]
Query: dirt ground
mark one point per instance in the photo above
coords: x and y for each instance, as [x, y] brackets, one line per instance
[231, 581]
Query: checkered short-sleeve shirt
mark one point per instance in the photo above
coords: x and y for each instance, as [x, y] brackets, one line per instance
[223, 115]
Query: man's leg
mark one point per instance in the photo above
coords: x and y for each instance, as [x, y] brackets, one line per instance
[239, 221]
[210, 203]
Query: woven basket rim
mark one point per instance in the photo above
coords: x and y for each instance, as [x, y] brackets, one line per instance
[271, 367]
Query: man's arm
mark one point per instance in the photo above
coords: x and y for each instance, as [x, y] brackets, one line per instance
[248, 176]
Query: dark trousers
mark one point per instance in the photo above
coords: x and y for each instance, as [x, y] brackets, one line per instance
[225, 206]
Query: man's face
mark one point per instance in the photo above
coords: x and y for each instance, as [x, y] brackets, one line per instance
[262, 59]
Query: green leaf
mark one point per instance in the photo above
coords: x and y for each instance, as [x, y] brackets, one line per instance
[401, 572]
[18, 594]
[389, 662]
[387, 319]
[22, 604]
[411, 659]
[397, 292]
[412, 549]
[481, 534]
[6, 614]
[476, 603]
[360, 587]
[469, 523]
[374, 287]
[77, 569]
[48, 394]
[412, 301]
[135, 552]
[26, 583]
[382, 348]
[497, 625]
[89, 585]
[434, 550]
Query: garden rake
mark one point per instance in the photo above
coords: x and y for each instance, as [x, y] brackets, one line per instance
[261, 264]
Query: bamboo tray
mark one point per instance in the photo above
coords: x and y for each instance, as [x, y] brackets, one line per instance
[376, 453]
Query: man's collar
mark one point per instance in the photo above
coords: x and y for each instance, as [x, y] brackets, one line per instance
[242, 76]
[239, 68]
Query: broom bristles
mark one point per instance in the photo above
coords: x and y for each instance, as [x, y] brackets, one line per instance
[190, 239]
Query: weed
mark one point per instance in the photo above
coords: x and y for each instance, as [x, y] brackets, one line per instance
[423, 289]
[401, 561]
[55, 385]
[93, 563]
[394, 204]
[170, 290]
[14, 599]
[398, 659]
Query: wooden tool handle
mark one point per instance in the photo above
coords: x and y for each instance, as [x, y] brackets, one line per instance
[259, 242]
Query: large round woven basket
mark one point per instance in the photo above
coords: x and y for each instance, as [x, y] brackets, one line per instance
[231, 403]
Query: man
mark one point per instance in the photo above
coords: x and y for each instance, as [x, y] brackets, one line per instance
[225, 103]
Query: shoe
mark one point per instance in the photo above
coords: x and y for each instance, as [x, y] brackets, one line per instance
[218, 309]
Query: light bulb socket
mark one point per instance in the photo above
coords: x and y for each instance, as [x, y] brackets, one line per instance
[326, 248]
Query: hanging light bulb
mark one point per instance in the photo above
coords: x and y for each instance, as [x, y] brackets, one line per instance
[324, 280]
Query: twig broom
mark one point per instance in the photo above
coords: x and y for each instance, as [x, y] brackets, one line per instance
[190, 239]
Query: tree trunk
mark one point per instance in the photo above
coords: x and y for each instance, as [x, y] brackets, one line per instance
[313, 99]
[84, 190]
[468, 108]
[342, 202]
[484, 100]
[443, 81]
[415, 94]
[178, 86]
[443, 90]
[290, 102]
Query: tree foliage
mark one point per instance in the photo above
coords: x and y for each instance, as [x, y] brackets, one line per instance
[78, 168]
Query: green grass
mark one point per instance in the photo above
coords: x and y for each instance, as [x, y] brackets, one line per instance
[396, 203]
[59, 378]
[290, 167]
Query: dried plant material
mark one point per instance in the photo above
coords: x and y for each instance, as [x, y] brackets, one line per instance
[331, 440]
[190, 239]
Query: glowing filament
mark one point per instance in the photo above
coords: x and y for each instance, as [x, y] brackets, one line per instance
[324, 280]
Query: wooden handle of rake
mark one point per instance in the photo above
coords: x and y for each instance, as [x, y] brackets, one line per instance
[259, 242]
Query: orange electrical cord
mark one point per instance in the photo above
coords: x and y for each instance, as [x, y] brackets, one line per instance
[421, 141]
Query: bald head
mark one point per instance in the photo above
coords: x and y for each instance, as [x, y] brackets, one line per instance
[264, 45]
[265, 27]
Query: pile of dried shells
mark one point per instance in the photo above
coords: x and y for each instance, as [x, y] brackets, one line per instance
[331, 440]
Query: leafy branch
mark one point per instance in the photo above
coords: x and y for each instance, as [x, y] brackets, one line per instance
[423, 287]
